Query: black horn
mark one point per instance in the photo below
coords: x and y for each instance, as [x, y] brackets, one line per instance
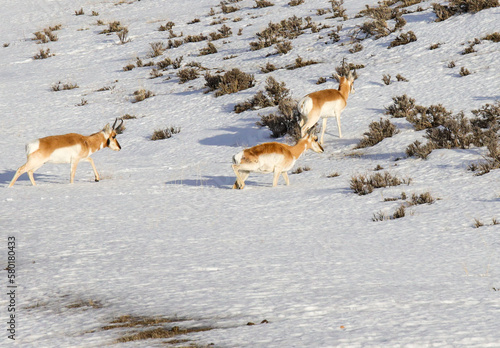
[114, 124]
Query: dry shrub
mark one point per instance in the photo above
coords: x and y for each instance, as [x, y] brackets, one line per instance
[399, 213]
[357, 47]
[43, 54]
[418, 150]
[386, 79]
[321, 80]
[403, 106]
[455, 132]
[334, 34]
[295, 2]
[195, 38]
[40, 37]
[166, 133]
[444, 12]
[345, 68]
[486, 127]
[423, 198]
[284, 47]
[363, 185]
[113, 27]
[464, 71]
[382, 12]
[63, 86]
[176, 63]
[141, 95]
[378, 26]
[196, 20]
[187, 74]
[262, 3]
[164, 64]
[403, 39]
[210, 49]
[274, 92]
[487, 117]
[492, 159]
[401, 78]
[285, 121]
[157, 49]
[128, 117]
[301, 170]
[231, 82]
[167, 27]
[159, 332]
[447, 131]
[228, 9]
[212, 81]
[174, 44]
[123, 36]
[268, 68]
[289, 28]
[375, 28]
[47, 35]
[221, 33]
[495, 37]
[378, 132]
[128, 67]
[338, 9]
[428, 117]
[155, 73]
[300, 63]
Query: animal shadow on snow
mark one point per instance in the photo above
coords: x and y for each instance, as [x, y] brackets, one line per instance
[222, 182]
[6, 178]
[237, 137]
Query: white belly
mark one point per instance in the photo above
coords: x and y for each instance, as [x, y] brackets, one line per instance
[331, 109]
[266, 164]
[65, 154]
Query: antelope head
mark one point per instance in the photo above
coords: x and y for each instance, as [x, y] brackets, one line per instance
[110, 135]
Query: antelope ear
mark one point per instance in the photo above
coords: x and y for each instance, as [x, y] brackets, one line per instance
[107, 129]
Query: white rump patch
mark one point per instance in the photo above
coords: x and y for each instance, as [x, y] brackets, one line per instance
[32, 147]
[237, 157]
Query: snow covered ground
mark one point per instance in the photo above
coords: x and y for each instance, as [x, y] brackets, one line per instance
[163, 235]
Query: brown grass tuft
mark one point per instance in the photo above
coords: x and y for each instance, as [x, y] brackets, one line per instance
[141, 95]
[166, 133]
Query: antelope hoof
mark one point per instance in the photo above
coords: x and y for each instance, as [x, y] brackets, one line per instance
[237, 186]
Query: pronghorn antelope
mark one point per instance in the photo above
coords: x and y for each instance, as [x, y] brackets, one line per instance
[68, 148]
[271, 158]
[324, 104]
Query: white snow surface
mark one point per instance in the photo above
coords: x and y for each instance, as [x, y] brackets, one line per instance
[163, 235]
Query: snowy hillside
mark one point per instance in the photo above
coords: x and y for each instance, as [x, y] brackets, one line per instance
[162, 245]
